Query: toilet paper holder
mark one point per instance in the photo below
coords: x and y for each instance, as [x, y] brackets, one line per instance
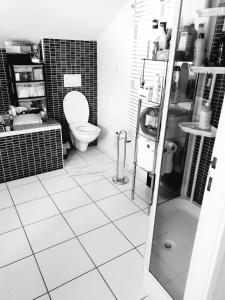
[120, 178]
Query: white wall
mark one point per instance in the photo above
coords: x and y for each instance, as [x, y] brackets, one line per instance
[65, 19]
[114, 61]
[219, 293]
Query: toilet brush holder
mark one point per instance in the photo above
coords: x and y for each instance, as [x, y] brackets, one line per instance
[118, 179]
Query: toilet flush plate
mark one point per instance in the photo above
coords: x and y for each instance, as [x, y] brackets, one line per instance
[72, 80]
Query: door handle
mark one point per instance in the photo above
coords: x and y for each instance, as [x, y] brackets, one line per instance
[209, 184]
[213, 162]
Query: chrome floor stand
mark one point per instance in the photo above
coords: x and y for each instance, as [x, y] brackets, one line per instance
[117, 178]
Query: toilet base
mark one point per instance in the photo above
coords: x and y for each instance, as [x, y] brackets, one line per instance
[81, 146]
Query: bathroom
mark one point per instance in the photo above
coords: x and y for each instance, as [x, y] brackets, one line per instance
[74, 220]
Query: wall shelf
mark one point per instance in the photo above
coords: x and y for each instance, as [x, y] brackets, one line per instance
[192, 128]
[34, 98]
[155, 60]
[211, 12]
[212, 70]
[29, 81]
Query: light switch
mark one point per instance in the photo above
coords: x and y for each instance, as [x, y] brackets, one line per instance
[72, 80]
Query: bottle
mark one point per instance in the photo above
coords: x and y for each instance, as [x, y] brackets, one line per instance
[175, 84]
[162, 37]
[154, 40]
[205, 116]
[201, 28]
[168, 37]
[7, 124]
[188, 33]
[157, 89]
[221, 49]
[184, 44]
[183, 82]
[194, 35]
[199, 50]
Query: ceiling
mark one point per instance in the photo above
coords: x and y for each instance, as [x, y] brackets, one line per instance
[65, 19]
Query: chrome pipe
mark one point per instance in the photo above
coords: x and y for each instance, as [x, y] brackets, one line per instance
[117, 178]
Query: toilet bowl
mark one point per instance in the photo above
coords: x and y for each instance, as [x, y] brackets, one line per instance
[76, 111]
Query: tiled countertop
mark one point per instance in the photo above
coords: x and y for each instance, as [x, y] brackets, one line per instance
[28, 128]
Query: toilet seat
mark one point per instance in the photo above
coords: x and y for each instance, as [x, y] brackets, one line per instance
[76, 108]
[85, 128]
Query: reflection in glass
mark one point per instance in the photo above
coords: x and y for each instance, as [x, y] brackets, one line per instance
[176, 215]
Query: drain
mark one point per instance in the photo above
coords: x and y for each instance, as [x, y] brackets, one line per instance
[168, 245]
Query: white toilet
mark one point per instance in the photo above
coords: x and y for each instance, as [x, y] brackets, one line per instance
[76, 110]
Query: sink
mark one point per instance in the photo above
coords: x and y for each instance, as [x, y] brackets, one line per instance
[27, 119]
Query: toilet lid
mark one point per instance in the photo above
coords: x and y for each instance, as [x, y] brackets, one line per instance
[76, 108]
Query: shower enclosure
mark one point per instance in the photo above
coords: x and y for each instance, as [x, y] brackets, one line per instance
[176, 209]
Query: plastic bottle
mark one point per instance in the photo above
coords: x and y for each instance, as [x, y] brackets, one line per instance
[175, 85]
[157, 89]
[162, 37]
[154, 47]
[194, 35]
[168, 37]
[205, 116]
[199, 50]
[221, 49]
[201, 28]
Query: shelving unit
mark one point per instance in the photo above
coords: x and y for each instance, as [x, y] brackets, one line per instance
[205, 70]
[28, 85]
[192, 128]
[154, 137]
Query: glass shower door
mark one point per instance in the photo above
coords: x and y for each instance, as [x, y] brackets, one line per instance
[174, 216]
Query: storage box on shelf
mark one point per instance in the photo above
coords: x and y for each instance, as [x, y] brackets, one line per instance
[211, 12]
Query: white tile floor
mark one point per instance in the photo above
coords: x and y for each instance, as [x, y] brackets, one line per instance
[72, 234]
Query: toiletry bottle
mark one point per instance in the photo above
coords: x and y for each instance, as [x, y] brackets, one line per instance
[188, 33]
[221, 49]
[162, 37]
[154, 40]
[7, 124]
[201, 28]
[168, 37]
[183, 82]
[150, 94]
[156, 89]
[194, 35]
[199, 50]
[205, 116]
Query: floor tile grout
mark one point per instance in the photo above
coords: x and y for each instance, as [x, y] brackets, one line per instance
[15, 261]
[84, 249]
[111, 220]
[31, 248]
[21, 184]
[70, 210]
[129, 198]
[76, 236]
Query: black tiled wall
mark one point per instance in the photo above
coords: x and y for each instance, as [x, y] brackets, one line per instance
[4, 83]
[30, 154]
[217, 102]
[70, 57]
